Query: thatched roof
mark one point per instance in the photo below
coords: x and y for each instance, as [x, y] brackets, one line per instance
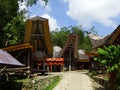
[107, 40]
[94, 36]
[100, 42]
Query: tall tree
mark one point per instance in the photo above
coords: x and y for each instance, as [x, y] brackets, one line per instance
[8, 10]
[91, 30]
[14, 31]
[11, 20]
[60, 37]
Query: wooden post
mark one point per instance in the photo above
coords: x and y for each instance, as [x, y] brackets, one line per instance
[38, 67]
[50, 67]
[70, 59]
[62, 66]
[82, 65]
[28, 71]
[89, 65]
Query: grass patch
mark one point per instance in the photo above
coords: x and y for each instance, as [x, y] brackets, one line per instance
[35, 83]
[54, 83]
[23, 80]
[92, 73]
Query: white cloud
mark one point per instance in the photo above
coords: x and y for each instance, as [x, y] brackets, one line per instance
[46, 7]
[88, 11]
[65, 0]
[52, 22]
[22, 5]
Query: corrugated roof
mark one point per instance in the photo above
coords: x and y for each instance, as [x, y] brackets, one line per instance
[82, 56]
[56, 51]
[6, 58]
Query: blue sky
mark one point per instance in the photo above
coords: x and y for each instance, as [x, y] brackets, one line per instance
[102, 14]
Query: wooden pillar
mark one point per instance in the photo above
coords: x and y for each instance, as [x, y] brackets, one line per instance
[38, 67]
[82, 65]
[50, 67]
[28, 71]
[62, 68]
[89, 65]
[70, 59]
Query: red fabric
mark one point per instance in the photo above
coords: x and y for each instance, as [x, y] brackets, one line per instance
[54, 61]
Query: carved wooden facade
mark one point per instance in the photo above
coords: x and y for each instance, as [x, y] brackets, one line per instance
[37, 45]
[38, 34]
[70, 52]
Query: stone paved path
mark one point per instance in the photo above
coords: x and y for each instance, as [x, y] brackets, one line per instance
[76, 81]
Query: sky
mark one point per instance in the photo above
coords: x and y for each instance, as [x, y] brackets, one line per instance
[102, 14]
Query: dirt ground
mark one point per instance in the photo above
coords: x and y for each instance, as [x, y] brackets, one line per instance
[77, 80]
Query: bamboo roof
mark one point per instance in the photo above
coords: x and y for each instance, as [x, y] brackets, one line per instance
[18, 47]
[37, 29]
[72, 42]
[107, 40]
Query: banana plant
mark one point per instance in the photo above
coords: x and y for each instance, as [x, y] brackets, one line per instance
[109, 57]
